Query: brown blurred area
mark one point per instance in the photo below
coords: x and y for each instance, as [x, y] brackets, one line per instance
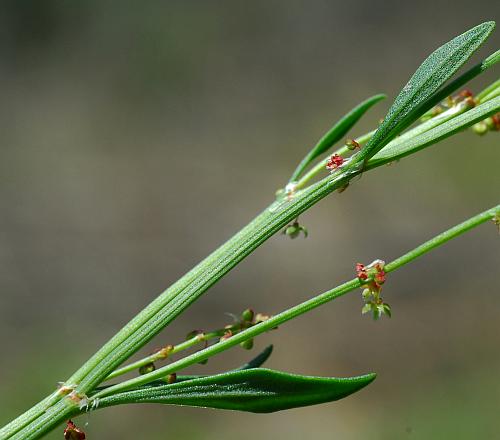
[137, 137]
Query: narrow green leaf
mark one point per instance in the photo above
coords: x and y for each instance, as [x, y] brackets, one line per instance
[256, 390]
[337, 132]
[425, 82]
[396, 149]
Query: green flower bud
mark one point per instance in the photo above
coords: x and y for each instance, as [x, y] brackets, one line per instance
[247, 315]
[247, 345]
[148, 368]
[481, 128]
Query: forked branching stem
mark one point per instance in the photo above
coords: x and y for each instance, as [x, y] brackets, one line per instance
[194, 338]
[424, 90]
[287, 315]
[432, 122]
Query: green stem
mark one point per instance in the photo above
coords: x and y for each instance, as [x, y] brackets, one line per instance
[48, 420]
[483, 93]
[442, 238]
[32, 414]
[165, 352]
[493, 94]
[299, 309]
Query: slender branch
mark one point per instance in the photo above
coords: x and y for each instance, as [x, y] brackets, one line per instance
[167, 306]
[299, 309]
[170, 350]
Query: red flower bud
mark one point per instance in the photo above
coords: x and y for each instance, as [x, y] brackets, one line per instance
[334, 162]
[361, 271]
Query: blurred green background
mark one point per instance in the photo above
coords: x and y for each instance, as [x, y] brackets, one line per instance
[138, 136]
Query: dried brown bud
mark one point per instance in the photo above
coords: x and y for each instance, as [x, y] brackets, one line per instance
[148, 368]
[72, 432]
[352, 144]
[164, 352]
[171, 378]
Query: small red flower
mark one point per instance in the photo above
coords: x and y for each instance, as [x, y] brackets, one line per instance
[379, 277]
[361, 271]
[372, 277]
[334, 162]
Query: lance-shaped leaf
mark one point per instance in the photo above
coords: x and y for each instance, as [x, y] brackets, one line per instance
[256, 390]
[337, 132]
[425, 82]
[398, 149]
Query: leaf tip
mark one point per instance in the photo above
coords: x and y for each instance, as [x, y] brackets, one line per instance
[365, 379]
[487, 27]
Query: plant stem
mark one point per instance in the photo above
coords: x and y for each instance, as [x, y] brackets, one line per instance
[442, 238]
[299, 309]
[493, 94]
[48, 420]
[485, 92]
[163, 353]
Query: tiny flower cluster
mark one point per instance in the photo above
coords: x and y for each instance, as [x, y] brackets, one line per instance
[334, 162]
[247, 319]
[372, 277]
[465, 96]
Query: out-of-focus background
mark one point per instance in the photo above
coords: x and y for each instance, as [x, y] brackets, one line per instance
[136, 137]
